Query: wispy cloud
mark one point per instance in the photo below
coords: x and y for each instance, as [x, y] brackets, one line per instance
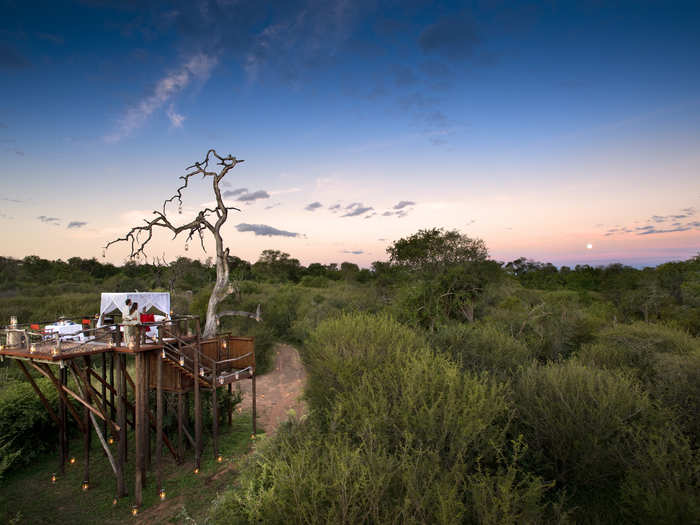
[49, 220]
[313, 206]
[353, 252]
[659, 224]
[356, 208]
[265, 230]
[7, 199]
[250, 197]
[175, 118]
[403, 204]
[76, 224]
[334, 208]
[273, 205]
[682, 228]
[197, 67]
[233, 193]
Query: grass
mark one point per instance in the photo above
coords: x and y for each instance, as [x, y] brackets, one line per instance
[29, 496]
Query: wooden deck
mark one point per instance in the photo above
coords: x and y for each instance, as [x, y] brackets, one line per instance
[179, 361]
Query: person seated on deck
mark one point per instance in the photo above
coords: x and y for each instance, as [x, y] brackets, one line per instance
[131, 322]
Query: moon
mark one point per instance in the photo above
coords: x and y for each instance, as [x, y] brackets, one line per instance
[589, 246]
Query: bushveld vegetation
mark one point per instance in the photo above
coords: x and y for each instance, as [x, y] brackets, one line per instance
[444, 387]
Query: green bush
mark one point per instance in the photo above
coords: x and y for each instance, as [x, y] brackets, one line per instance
[280, 309]
[314, 281]
[396, 433]
[552, 324]
[481, 347]
[665, 359]
[676, 384]
[583, 423]
[639, 338]
[25, 423]
[662, 484]
[511, 495]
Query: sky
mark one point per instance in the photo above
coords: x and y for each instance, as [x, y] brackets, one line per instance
[565, 132]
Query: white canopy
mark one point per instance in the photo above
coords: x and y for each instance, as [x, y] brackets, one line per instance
[116, 301]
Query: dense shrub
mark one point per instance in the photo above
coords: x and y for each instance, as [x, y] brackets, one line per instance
[314, 281]
[25, 423]
[396, 433]
[553, 324]
[584, 425]
[481, 347]
[662, 484]
[665, 359]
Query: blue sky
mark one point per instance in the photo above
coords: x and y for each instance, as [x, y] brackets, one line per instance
[541, 127]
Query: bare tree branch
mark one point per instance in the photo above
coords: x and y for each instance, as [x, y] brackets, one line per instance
[139, 236]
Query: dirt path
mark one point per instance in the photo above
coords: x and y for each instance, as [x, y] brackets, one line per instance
[279, 391]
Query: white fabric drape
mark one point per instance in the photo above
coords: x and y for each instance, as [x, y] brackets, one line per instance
[116, 301]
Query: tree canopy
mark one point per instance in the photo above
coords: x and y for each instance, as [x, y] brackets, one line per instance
[435, 249]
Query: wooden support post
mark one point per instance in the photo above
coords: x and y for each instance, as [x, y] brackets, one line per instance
[197, 404]
[39, 393]
[159, 419]
[147, 407]
[62, 445]
[121, 421]
[104, 391]
[214, 414]
[139, 434]
[255, 423]
[60, 385]
[86, 421]
[68, 408]
[111, 382]
[101, 437]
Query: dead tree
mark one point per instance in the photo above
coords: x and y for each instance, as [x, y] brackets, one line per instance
[207, 220]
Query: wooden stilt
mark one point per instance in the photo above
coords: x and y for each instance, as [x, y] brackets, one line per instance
[147, 410]
[45, 370]
[42, 398]
[159, 420]
[95, 426]
[104, 390]
[121, 421]
[140, 434]
[62, 445]
[214, 415]
[66, 409]
[111, 382]
[86, 421]
[197, 404]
